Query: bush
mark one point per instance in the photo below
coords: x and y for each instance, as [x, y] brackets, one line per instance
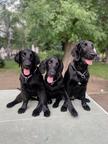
[2, 63]
[49, 53]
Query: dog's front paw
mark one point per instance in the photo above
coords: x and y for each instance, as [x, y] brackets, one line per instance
[36, 112]
[49, 101]
[55, 105]
[11, 104]
[74, 112]
[86, 107]
[21, 110]
[63, 108]
[87, 100]
[47, 113]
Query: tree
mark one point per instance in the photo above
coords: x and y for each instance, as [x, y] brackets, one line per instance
[101, 10]
[61, 22]
[9, 20]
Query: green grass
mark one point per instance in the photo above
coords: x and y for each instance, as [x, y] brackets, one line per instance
[10, 65]
[99, 69]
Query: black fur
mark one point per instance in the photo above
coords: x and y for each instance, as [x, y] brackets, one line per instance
[53, 67]
[31, 84]
[77, 75]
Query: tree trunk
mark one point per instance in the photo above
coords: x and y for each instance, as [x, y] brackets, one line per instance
[67, 55]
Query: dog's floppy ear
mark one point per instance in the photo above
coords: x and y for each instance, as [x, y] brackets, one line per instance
[42, 66]
[36, 59]
[76, 52]
[61, 66]
[17, 57]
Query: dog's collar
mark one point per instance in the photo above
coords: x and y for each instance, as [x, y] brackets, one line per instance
[27, 77]
[82, 75]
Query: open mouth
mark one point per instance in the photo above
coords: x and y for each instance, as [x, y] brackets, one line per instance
[87, 61]
[50, 79]
[26, 71]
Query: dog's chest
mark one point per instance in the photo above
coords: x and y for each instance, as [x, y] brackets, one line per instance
[78, 84]
[30, 84]
[78, 78]
[53, 90]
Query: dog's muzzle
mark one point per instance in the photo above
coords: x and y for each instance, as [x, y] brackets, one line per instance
[51, 75]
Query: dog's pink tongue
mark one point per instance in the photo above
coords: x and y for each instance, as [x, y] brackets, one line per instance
[89, 62]
[50, 79]
[26, 71]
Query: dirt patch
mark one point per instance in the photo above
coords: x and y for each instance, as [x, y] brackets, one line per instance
[9, 80]
[101, 99]
[97, 87]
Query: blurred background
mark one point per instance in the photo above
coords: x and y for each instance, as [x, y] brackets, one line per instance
[53, 27]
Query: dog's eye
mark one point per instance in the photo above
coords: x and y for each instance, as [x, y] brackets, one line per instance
[92, 46]
[24, 54]
[50, 62]
[85, 44]
[57, 64]
[30, 55]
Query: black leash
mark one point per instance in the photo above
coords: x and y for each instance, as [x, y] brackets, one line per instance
[82, 75]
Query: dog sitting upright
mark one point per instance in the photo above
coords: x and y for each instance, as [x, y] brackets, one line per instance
[54, 83]
[77, 75]
[31, 83]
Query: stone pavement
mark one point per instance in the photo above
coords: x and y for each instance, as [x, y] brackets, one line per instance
[60, 128]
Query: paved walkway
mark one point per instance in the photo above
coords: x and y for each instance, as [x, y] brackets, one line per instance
[60, 128]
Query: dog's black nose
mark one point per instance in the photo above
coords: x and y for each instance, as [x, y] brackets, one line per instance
[93, 54]
[52, 72]
[27, 64]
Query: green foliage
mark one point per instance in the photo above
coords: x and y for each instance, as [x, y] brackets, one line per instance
[10, 64]
[19, 40]
[51, 22]
[101, 10]
[48, 53]
[2, 63]
[9, 22]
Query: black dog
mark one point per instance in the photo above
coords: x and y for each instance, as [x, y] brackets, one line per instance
[31, 83]
[54, 83]
[77, 75]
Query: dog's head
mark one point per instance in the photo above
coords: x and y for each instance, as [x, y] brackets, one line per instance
[53, 68]
[84, 51]
[28, 60]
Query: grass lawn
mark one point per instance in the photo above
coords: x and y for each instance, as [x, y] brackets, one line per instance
[10, 65]
[99, 69]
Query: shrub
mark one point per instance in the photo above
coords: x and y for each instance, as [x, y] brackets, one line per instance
[2, 63]
[49, 53]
